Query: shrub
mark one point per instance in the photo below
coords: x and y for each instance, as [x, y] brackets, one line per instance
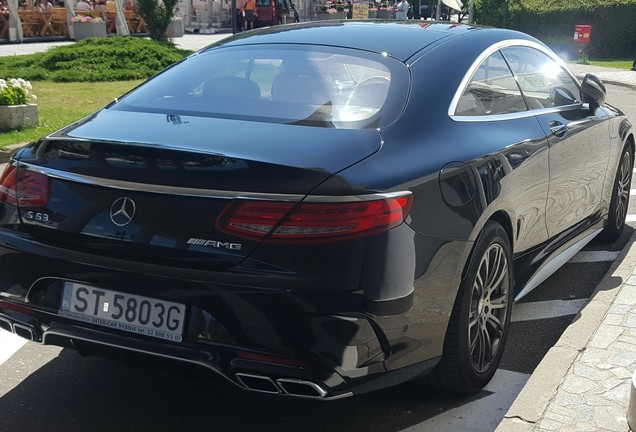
[157, 14]
[95, 59]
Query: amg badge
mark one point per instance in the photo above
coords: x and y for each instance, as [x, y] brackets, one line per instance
[215, 244]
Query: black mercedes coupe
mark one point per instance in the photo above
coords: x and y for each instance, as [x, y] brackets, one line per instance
[316, 210]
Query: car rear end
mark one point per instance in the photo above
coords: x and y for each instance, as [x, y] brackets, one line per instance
[168, 225]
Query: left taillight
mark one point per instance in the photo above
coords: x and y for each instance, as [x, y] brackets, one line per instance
[24, 188]
[313, 222]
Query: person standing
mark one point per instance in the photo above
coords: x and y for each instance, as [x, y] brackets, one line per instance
[401, 10]
[101, 8]
[83, 6]
[240, 16]
[250, 14]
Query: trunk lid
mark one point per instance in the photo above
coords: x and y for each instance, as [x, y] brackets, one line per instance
[150, 187]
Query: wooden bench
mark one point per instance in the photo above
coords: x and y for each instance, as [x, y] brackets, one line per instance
[59, 21]
[30, 22]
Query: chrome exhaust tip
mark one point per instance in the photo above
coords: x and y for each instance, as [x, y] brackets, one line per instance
[258, 383]
[6, 325]
[300, 388]
[24, 331]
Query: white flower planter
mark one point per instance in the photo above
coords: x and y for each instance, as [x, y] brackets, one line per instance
[16, 116]
[83, 30]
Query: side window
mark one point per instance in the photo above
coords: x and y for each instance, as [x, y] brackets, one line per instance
[543, 81]
[492, 90]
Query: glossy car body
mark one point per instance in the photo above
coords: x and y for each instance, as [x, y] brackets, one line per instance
[225, 217]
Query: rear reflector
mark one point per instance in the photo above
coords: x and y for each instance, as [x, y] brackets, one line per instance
[313, 222]
[24, 188]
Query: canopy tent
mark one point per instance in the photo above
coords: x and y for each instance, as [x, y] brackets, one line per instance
[122, 26]
[70, 9]
[15, 25]
[454, 4]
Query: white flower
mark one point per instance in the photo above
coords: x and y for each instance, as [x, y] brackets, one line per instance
[19, 84]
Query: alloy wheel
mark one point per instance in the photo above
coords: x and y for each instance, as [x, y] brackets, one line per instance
[622, 188]
[488, 308]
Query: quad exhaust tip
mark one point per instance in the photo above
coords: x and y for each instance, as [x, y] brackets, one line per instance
[6, 325]
[301, 388]
[258, 383]
[24, 331]
[264, 384]
[19, 329]
[284, 386]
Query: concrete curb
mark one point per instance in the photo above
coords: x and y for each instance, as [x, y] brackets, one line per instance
[532, 402]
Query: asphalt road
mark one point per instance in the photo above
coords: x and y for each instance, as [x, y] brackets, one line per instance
[50, 389]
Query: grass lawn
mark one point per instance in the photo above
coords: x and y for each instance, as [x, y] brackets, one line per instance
[625, 64]
[618, 64]
[62, 103]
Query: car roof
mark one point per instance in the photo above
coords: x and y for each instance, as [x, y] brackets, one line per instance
[400, 39]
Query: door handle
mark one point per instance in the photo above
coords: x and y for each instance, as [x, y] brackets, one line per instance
[558, 129]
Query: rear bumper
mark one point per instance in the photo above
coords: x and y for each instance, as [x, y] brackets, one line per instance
[322, 346]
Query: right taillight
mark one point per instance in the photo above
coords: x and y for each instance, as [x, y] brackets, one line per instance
[24, 188]
[313, 222]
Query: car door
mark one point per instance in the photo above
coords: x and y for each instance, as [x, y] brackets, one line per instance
[579, 150]
[491, 114]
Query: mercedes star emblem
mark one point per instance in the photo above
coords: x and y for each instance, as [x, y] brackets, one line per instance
[122, 211]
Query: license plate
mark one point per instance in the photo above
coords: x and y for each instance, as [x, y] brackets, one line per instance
[132, 313]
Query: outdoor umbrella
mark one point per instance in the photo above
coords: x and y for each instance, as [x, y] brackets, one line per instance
[70, 9]
[454, 4]
[15, 25]
[120, 23]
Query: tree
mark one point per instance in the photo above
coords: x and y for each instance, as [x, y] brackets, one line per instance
[489, 12]
[157, 14]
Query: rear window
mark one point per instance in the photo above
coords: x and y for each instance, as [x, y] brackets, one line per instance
[334, 88]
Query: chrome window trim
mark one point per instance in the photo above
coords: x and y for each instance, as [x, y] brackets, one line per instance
[483, 56]
[203, 193]
[515, 116]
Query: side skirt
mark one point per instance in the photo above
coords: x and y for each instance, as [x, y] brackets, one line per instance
[554, 262]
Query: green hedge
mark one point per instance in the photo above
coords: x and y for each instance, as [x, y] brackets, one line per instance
[552, 21]
[94, 59]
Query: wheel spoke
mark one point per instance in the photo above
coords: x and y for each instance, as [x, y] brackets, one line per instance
[494, 323]
[500, 302]
[485, 348]
[497, 283]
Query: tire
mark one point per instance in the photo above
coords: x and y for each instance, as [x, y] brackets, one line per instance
[480, 319]
[620, 197]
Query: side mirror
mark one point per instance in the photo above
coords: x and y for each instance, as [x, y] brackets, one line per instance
[592, 90]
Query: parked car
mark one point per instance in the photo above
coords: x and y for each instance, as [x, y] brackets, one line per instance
[273, 12]
[313, 210]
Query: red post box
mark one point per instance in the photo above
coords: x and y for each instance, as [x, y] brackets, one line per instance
[582, 33]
